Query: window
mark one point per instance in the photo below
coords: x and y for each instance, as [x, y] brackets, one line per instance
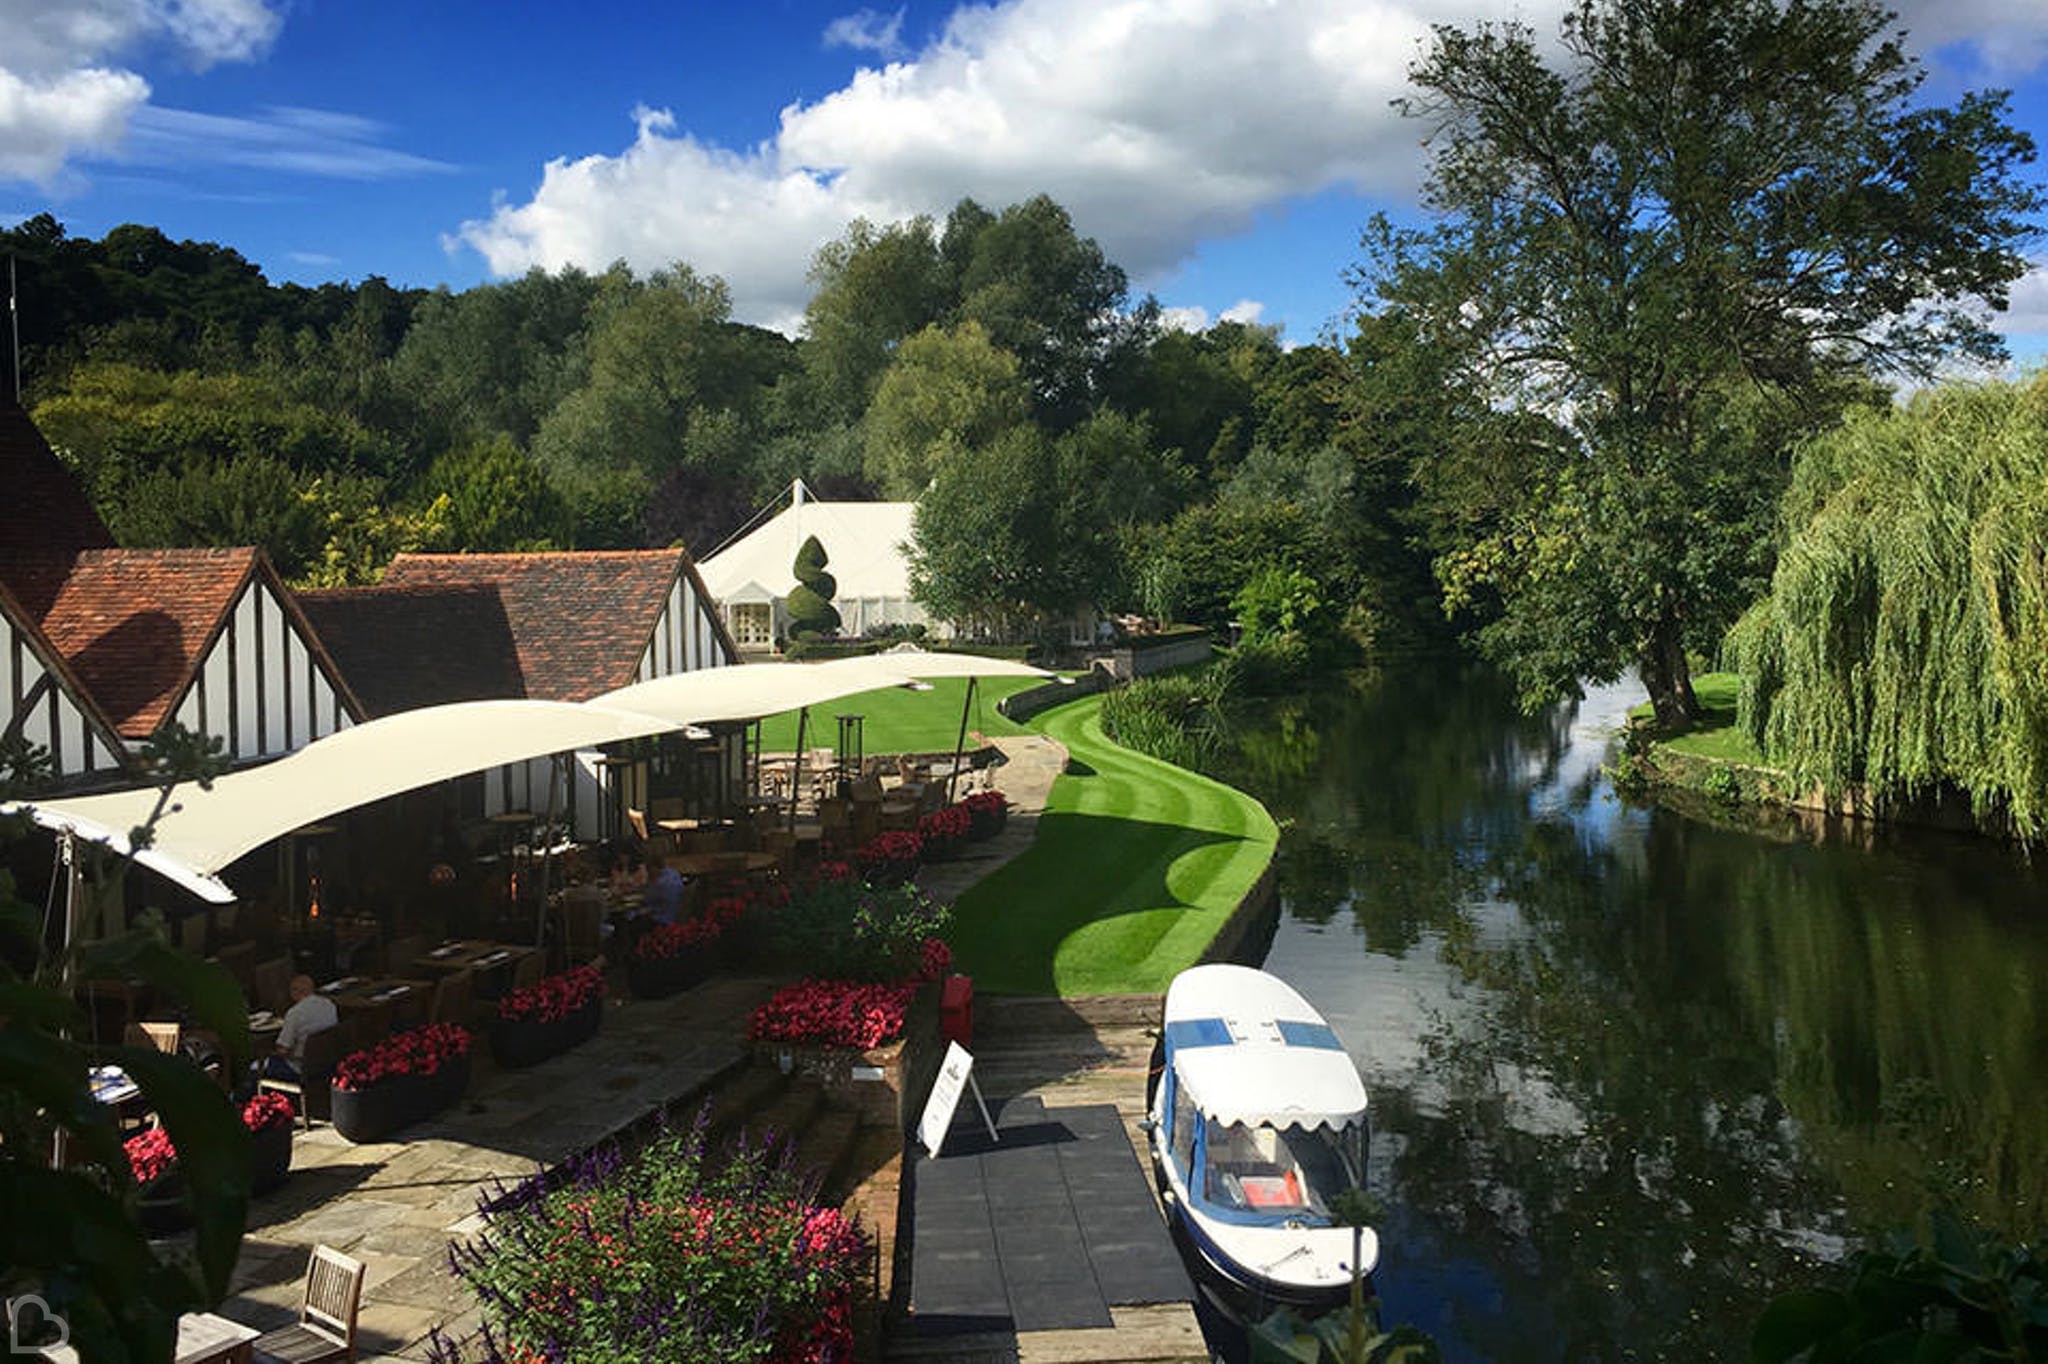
[1291, 1172]
[1185, 1120]
[752, 624]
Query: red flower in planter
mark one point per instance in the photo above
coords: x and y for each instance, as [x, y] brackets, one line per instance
[833, 1013]
[889, 855]
[935, 960]
[267, 1110]
[422, 1051]
[672, 940]
[150, 1155]
[945, 826]
[986, 811]
[553, 998]
[834, 870]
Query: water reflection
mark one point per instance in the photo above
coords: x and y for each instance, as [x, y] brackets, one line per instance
[1633, 1072]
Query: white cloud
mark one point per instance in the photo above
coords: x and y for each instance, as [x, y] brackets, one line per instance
[868, 30]
[2009, 39]
[1185, 318]
[2027, 309]
[44, 121]
[300, 141]
[312, 258]
[62, 89]
[1245, 310]
[1156, 123]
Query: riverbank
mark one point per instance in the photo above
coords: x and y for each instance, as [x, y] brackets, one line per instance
[1136, 870]
[1715, 765]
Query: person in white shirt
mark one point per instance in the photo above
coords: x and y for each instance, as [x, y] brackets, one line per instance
[309, 1013]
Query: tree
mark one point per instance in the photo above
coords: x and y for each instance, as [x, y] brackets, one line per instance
[1904, 644]
[811, 613]
[496, 499]
[1707, 199]
[949, 391]
[874, 286]
[986, 536]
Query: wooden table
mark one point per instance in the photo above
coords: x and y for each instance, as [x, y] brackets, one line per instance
[722, 863]
[203, 1338]
[470, 954]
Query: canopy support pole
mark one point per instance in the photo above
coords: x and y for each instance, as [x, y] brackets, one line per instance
[960, 743]
[796, 771]
[547, 855]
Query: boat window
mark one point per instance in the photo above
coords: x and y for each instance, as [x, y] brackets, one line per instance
[1285, 1172]
[1185, 1121]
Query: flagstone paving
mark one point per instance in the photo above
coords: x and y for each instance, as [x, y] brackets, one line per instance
[395, 1205]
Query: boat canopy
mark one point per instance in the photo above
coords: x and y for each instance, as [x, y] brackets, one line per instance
[1247, 1049]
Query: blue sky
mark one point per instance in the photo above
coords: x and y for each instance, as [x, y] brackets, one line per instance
[1225, 152]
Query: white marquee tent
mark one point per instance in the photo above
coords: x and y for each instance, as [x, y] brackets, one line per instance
[865, 552]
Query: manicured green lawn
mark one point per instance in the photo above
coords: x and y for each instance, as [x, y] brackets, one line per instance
[1717, 736]
[899, 721]
[1135, 867]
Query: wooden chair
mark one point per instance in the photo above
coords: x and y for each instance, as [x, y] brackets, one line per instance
[326, 1328]
[637, 821]
[165, 1037]
[324, 1050]
[270, 985]
[400, 953]
[527, 972]
[452, 997]
[583, 924]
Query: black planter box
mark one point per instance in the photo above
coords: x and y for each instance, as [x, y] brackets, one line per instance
[527, 1042]
[366, 1115]
[270, 1156]
[661, 977]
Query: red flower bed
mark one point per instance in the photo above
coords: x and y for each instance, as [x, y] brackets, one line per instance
[554, 998]
[936, 960]
[150, 1155]
[986, 811]
[890, 856]
[833, 1013]
[945, 826]
[266, 1110]
[422, 1051]
[672, 940]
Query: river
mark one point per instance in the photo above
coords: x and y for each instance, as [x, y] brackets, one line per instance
[1632, 1072]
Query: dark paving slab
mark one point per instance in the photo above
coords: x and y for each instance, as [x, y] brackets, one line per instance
[1043, 1229]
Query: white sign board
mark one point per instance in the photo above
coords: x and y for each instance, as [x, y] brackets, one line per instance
[956, 1073]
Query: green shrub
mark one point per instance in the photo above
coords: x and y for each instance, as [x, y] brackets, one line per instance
[1166, 717]
[845, 930]
[811, 613]
[1722, 784]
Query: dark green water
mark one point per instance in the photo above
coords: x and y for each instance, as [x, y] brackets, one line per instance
[1633, 1073]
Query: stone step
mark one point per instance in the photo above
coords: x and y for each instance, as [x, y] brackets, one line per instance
[784, 1117]
[749, 1091]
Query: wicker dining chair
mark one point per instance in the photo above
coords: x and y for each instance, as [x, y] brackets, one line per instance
[326, 1328]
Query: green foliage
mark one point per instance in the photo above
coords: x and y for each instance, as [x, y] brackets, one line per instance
[1198, 561]
[1902, 645]
[1686, 243]
[671, 1257]
[1721, 783]
[1169, 716]
[494, 498]
[1967, 1295]
[1277, 601]
[71, 1234]
[845, 930]
[811, 613]
[949, 393]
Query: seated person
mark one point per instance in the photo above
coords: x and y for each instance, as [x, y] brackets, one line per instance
[625, 874]
[663, 898]
[310, 1013]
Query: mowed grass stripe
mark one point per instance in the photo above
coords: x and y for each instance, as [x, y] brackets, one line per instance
[1136, 866]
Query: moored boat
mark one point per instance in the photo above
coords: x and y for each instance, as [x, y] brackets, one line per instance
[1257, 1124]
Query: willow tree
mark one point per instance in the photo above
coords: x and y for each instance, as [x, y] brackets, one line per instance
[1904, 643]
[1683, 244]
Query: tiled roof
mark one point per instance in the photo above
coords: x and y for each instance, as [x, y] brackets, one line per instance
[132, 624]
[405, 647]
[579, 621]
[43, 505]
[47, 655]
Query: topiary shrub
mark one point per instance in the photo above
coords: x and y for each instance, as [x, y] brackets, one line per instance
[811, 613]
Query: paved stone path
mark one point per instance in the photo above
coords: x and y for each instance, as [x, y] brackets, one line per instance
[1030, 764]
[395, 1205]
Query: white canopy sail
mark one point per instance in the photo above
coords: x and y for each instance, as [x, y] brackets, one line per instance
[202, 831]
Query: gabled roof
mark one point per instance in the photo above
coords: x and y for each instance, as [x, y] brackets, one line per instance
[52, 662]
[863, 551]
[406, 647]
[580, 621]
[43, 506]
[134, 624]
